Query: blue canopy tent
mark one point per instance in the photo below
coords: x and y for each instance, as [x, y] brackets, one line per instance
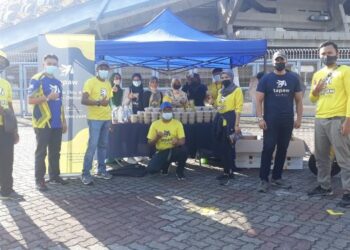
[168, 44]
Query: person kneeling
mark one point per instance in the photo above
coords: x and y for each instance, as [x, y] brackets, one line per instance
[168, 135]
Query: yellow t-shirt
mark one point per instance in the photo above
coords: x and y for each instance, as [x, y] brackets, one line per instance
[97, 90]
[334, 100]
[5, 95]
[233, 101]
[171, 130]
[214, 88]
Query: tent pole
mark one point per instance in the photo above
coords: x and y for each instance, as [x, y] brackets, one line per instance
[265, 63]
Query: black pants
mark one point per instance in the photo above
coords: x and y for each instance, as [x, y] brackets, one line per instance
[278, 133]
[162, 159]
[6, 161]
[47, 139]
[227, 155]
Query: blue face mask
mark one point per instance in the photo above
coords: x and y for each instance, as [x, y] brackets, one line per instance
[51, 69]
[167, 116]
[103, 74]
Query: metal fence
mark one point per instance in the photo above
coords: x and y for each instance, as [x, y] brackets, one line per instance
[303, 61]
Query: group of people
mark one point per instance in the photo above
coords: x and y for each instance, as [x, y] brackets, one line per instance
[278, 97]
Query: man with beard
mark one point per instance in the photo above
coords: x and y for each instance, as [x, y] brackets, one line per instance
[331, 92]
[277, 91]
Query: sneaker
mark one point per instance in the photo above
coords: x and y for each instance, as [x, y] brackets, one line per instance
[222, 176]
[58, 180]
[15, 196]
[180, 176]
[345, 201]
[41, 186]
[319, 191]
[281, 184]
[104, 175]
[263, 187]
[87, 179]
[225, 180]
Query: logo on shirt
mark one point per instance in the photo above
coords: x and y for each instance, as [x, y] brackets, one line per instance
[54, 89]
[103, 93]
[166, 133]
[281, 89]
[2, 91]
[281, 83]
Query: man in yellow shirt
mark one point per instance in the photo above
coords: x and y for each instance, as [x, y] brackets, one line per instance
[168, 135]
[97, 92]
[7, 139]
[215, 86]
[330, 91]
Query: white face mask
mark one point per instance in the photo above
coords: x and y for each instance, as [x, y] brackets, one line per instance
[216, 78]
[117, 82]
[103, 74]
[51, 69]
[136, 83]
[167, 116]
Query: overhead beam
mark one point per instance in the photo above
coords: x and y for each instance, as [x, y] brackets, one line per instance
[228, 10]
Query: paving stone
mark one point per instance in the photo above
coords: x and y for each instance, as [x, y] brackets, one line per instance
[160, 213]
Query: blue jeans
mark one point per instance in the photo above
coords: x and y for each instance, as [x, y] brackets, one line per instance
[98, 139]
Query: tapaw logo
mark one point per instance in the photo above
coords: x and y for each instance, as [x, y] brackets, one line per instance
[281, 83]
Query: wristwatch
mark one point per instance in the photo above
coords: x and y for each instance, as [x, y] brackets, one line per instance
[259, 119]
[98, 103]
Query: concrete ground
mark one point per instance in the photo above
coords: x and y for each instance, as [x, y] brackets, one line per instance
[157, 212]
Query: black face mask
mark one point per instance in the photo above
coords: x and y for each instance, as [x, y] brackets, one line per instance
[177, 86]
[194, 82]
[280, 66]
[329, 60]
[226, 83]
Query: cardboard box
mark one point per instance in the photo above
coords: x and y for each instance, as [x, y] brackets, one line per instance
[248, 153]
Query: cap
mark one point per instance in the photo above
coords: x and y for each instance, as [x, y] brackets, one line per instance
[165, 105]
[4, 62]
[100, 63]
[278, 54]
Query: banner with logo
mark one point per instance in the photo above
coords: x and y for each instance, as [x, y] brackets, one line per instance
[76, 54]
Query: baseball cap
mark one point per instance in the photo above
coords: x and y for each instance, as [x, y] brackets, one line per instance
[165, 105]
[278, 54]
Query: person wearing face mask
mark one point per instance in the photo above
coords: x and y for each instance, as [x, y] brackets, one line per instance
[196, 91]
[97, 93]
[277, 91]
[119, 97]
[136, 93]
[168, 136]
[7, 138]
[152, 97]
[45, 94]
[330, 90]
[175, 95]
[226, 123]
[215, 86]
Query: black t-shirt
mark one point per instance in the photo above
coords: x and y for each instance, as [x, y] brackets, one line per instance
[279, 93]
[196, 92]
